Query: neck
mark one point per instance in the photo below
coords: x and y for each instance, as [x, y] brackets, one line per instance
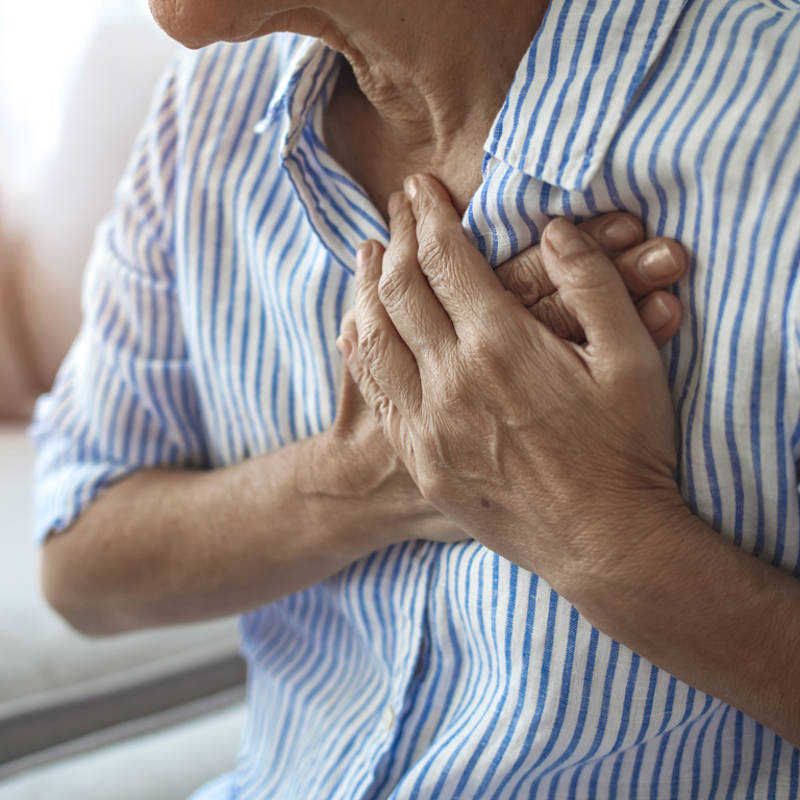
[434, 76]
[422, 97]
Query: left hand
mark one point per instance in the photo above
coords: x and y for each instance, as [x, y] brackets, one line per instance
[550, 453]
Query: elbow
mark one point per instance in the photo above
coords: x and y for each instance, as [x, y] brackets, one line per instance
[69, 590]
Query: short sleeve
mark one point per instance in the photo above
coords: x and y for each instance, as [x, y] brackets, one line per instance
[125, 397]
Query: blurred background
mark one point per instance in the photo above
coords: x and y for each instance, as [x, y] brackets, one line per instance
[75, 81]
[145, 715]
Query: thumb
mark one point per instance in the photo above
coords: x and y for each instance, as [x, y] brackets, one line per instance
[592, 290]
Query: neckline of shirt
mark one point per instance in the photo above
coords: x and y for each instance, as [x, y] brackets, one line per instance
[568, 97]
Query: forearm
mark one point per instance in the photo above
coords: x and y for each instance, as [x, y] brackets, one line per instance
[707, 612]
[171, 546]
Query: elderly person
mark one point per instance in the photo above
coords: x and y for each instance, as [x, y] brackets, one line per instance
[523, 580]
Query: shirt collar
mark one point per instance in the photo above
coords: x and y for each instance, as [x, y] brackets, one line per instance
[568, 98]
[308, 71]
[575, 85]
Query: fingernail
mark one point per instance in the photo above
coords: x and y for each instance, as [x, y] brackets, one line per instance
[620, 231]
[656, 314]
[411, 185]
[345, 348]
[564, 237]
[657, 263]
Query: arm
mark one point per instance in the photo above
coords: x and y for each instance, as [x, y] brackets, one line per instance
[134, 544]
[135, 532]
[703, 609]
[167, 546]
[578, 486]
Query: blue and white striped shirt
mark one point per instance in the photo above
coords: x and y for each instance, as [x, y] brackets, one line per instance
[212, 304]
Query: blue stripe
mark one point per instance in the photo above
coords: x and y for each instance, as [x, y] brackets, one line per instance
[713, 484]
[552, 73]
[633, 13]
[546, 145]
[733, 451]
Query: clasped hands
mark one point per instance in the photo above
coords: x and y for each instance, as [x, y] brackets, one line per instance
[529, 405]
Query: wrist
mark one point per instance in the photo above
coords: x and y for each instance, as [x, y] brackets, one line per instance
[637, 552]
[364, 506]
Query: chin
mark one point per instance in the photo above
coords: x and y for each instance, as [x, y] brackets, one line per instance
[197, 23]
[175, 22]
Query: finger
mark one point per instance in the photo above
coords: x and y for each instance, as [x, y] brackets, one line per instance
[593, 291]
[661, 313]
[525, 276]
[349, 392]
[404, 291]
[378, 344]
[653, 265]
[550, 311]
[458, 274]
[358, 378]
[614, 232]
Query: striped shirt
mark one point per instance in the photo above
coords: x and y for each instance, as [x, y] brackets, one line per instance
[212, 304]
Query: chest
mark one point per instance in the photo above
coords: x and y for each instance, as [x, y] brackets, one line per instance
[267, 276]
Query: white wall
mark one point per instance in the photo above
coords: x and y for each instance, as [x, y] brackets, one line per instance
[76, 78]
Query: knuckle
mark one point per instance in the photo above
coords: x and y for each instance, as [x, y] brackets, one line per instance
[552, 313]
[583, 269]
[519, 284]
[487, 358]
[481, 350]
[370, 343]
[379, 404]
[526, 279]
[393, 286]
[435, 249]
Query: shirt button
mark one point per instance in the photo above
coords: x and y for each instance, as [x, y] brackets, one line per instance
[388, 717]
